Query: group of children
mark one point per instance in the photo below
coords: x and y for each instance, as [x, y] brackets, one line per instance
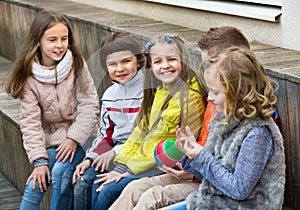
[155, 94]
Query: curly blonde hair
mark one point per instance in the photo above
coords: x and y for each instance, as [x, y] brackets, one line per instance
[248, 89]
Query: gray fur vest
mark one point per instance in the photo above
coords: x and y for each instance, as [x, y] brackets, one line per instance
[224, 143]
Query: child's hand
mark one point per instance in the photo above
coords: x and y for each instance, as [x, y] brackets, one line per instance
[108, 178]
[102, 161]
[65, 150]
[41, 174]
[187, 143]
[178, 174]
[80, 169]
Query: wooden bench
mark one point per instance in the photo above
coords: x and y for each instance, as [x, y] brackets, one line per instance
[10, 197]
[90, 25]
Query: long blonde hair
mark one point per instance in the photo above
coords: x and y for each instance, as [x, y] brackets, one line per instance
[248, 89]
[16, 81]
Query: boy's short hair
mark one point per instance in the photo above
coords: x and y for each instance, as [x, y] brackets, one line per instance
[120, 41]
[218, 39]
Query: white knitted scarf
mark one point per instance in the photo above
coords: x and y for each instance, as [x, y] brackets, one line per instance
[48, 74]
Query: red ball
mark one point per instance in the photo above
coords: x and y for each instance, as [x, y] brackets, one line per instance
[166, 153]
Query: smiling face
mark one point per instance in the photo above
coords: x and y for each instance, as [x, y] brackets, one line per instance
[122, 66]
[165, 62]
[215, 94]
[54, 44]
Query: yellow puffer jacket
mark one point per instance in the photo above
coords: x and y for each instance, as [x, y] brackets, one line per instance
[141, 159]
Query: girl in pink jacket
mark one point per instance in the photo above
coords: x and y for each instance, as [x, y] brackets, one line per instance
[58, 104]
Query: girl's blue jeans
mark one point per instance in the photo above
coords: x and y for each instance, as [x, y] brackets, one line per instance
[104, 199]
[61, 180]
[83, 190]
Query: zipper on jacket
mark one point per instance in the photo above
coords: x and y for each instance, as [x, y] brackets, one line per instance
[57, 97]
[58, 101]
[123, 98]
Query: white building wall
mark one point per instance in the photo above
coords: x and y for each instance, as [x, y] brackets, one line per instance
[284, 33]
[291, 24]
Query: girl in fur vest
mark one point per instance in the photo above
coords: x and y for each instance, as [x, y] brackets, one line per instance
[58, 104]
[242, 165]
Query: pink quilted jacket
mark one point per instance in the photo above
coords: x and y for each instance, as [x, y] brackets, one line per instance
[52, 113]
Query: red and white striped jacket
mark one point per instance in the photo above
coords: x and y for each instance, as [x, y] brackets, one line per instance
[119, 107]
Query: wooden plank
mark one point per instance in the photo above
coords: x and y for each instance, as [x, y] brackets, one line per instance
[10, 206]
[293, 91]
[8, 192]
[277, 56]
[10, 197]
[282, 105]
[255, 45]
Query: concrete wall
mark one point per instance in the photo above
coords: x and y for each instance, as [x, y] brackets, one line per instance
[291, 24]
[284, 33]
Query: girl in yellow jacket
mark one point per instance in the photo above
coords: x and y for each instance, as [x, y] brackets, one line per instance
[173, 95]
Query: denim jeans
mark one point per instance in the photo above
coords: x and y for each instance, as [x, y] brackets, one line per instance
[83, 190]
[32, 198]
[106, 197]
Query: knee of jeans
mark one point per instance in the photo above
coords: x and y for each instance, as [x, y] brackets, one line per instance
[81, 183]
[107, 190]
[89, 176]
[68, 173]
[81, 186]
[59, 169]
[33, 195]
[29, 189]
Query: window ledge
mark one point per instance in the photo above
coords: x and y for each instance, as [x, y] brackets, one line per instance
[242, 9]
